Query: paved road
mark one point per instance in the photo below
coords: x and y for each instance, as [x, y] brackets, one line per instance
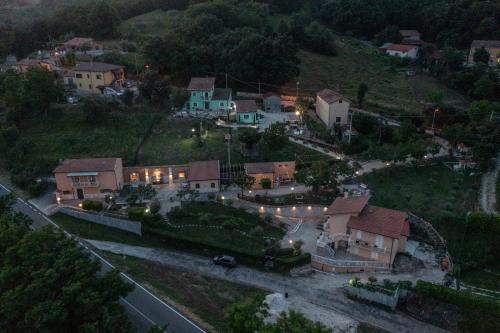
[487, 195]
[144, 309]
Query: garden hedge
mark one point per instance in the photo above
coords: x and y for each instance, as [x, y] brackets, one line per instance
[92, 205]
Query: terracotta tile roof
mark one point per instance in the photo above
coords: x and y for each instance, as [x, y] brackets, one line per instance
[381, 221]
[409, 33]
[264, 167]
[95, 67]
[247, 105]
[78, 41]
[400, 47]
[331, 96]
[203, 170]
[350, 205]
[221, 94]
[485, 43]
[87, 165]
[201, 83]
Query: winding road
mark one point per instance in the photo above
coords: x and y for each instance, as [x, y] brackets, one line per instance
[143, 308]
[487, 195]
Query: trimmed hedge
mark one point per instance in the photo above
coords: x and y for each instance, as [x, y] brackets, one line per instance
[465, 300]
[92, 205]
[136, 213]
[287, 263]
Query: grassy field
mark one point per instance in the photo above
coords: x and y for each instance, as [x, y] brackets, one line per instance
[425, 191]
[155, 23]
[229, 237]
[483, 278]
[202, 296]
[100, 232]
[66, 134]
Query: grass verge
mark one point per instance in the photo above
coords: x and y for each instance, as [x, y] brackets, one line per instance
[203, 296]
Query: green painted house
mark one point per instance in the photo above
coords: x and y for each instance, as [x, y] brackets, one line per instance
[204, 97]
[246, 112]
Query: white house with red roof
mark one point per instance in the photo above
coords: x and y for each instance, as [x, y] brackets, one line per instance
[401, 50]
[360, 237]
[332, 108]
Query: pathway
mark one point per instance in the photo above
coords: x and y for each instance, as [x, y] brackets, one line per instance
[319, 289]
[488, 188]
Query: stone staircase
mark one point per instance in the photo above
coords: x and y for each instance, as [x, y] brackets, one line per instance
[433, 237]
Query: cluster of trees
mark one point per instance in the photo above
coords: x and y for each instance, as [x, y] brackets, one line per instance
[248, 317]
[446, 22]
[99, 19]
[274, 138]
[49, 283]
[220, 37]
[22, 97]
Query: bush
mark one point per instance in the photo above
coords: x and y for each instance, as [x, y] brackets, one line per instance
[153, 220]
[230, 224]
[92, 205]
[372, 279]
[36, 189]
[258, 231]
[155, 206]
[210, 196]
[286, 251]
[136, 213]
[287, 263]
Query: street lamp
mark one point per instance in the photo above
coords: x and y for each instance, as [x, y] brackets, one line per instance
[290, 242]
[433, 119]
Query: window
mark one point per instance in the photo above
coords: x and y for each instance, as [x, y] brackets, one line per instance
[98, 76]
[212, 185]
[134, 177]
[221, 104]
[246, 116]
[206, 95]
[66, 192]
[374, 255]
[92, 179]
[337, 119]
[182, 174]
[90, 86]
[195, 105]
[197, 185]
[340, 101]
[88, 76]
[379, 241]
[80, 85]
[78, 76]
[106, 190]
[193, 94]
[359, 234]
[76, 179]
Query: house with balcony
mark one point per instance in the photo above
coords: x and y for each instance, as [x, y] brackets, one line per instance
[89, 178]
[277, 172]
[204, 97]
[155, 175]
[360, 237]
[95, 77]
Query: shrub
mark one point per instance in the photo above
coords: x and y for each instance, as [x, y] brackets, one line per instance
[205, 218]
[92, 205]
[258, 231]
[372, 279]
[210, 196]
[266, 183]
[153, 220]
[297, 246]
[36, 189]
[230, 224]
[155, 206]
[286, 251]
[136, 213]
[287, 263]
[268, 218]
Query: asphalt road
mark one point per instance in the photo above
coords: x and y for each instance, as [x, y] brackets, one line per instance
[144, 309]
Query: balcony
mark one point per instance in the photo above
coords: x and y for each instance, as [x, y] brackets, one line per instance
[85, 184]
[365, 245]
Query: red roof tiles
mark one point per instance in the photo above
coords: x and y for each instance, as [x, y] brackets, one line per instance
[203, 170]
[350, 205]
[381, 221]
[330, 96]
[401, 47]
[87, 165]
[247, 105]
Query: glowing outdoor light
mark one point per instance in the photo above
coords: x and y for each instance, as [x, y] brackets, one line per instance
[309, 207]
[80, 205]
[293, 188]
[290, 241]
[147, 210]
[193, 130]
[222, 197]
[294, 208]
[325, 208]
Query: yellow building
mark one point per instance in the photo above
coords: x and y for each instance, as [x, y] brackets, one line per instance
[93, 77]
[493, 48]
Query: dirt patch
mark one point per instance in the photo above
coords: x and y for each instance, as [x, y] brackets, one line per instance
[406, 264]
[429, 310]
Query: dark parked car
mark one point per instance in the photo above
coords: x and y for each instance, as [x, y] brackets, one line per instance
[224, 260]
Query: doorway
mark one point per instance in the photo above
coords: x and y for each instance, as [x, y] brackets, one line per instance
[79, 193]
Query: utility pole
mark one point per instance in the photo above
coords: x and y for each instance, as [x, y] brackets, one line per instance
[350, 127]
[228, 140]
[226, 80]
[259, 88]
[379, 130]
[297, 91]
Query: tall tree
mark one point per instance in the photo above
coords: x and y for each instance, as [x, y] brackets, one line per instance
[40, 89]
[362, 90]
[244, 182]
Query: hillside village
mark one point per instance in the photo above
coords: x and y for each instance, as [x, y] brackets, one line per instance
[216, 166]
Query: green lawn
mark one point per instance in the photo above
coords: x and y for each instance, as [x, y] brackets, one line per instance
[206, 297]
[426, 191]
[356, 62]
[155, 23]
[88, 230]
[483, 278]
[66, 134]
[233, 220]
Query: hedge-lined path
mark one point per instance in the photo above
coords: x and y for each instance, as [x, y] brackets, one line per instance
[320, 289]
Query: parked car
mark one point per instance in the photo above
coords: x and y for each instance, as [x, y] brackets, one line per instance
[225, 260]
